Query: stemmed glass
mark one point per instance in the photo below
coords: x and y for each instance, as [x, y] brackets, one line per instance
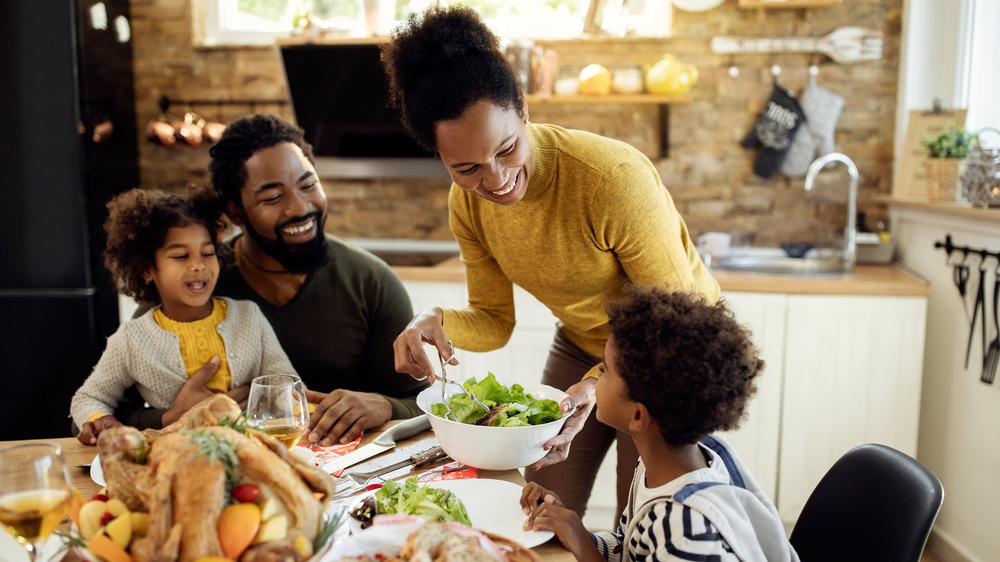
[277, 406]
[34, 493]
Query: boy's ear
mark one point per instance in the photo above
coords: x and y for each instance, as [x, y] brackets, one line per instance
[641, 419]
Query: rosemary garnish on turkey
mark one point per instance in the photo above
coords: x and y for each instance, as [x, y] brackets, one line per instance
[216, 447]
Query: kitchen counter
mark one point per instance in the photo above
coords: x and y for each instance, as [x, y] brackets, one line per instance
[889, 280]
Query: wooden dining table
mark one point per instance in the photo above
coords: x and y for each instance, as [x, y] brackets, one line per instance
[77, 454]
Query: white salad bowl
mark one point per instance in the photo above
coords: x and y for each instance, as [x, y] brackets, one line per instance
[492, 448]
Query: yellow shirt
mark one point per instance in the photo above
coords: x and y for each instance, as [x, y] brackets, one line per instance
[595, 216]
[200, 341]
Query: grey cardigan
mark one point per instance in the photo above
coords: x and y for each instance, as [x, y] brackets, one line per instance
[143, 354]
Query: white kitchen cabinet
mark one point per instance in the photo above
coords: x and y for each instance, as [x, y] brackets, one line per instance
[840, 371]
[756, 440]
[853, 372]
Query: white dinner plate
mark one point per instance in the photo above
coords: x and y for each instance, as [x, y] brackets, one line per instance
[493, 506]
[96, 473]
[696, 5]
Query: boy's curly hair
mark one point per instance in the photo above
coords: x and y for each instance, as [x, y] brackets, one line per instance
[241, 140]
[441, 62]
[137, 225]
[690, 363]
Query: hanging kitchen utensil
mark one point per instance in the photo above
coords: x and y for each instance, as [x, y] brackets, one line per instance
[975, 313]
[843, 45]
[960, 274]
[993, 354]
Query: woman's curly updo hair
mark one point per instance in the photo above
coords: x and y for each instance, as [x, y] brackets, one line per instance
[241, 140]
[689, 362]
[137, 225]
[441, 62]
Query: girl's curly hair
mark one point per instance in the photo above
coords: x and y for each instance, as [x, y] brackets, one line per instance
[690, 363]
[441, 62]
[137, 225]
[242, 139]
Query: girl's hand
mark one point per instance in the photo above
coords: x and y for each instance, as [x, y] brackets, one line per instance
[581, 400]
[408, 349]
[90, 430]
[193, 391]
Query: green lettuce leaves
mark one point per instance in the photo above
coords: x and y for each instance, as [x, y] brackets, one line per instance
[522, 409]
[410, 498]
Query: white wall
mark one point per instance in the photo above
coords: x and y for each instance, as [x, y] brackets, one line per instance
[959, 414]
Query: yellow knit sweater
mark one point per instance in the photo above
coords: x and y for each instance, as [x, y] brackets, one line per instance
[595, 216]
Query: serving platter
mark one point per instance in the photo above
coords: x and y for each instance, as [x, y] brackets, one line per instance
[493, 506]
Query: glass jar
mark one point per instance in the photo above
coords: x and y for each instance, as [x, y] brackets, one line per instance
[567, 81]
[627, 80]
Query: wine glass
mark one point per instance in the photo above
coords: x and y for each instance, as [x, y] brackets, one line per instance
[34, 493]
[277, 406]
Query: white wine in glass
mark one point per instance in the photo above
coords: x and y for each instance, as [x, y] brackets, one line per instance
[277, 406]
[34, 493]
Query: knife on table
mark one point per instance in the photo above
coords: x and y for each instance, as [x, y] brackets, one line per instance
[382, 443]
[422, 458]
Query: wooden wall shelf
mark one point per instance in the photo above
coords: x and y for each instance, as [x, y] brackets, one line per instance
[957, 209]
[787, 3]
[663, 103]
[610, 98]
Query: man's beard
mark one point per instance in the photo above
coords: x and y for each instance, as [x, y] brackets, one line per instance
[306, 257]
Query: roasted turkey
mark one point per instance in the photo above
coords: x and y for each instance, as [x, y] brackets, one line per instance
[179, 475]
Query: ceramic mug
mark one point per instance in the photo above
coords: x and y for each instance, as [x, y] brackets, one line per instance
[717, 243]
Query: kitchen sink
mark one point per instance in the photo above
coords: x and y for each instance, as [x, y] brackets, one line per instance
[784, 266]
[414, 259]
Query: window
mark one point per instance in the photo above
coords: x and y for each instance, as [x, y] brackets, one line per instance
[261, 22]
[981, 80]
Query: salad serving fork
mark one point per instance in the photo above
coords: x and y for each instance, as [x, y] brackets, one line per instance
[444, 381]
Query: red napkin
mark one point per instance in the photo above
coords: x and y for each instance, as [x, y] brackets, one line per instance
[323, 455]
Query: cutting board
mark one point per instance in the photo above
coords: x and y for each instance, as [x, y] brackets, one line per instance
[910, 179]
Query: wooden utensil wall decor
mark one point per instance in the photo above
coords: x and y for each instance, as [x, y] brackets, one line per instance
[844, 45]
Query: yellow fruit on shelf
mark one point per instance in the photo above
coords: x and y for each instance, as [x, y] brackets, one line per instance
[273, 529]
[238, 525]
[595, 80]
[120, 530]
[103, 546]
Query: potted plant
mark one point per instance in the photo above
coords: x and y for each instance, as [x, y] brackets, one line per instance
[944, 154]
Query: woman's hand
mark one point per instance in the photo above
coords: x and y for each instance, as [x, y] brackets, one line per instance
[342, 415]
[581, 400]
[90, 430]
[408, 349]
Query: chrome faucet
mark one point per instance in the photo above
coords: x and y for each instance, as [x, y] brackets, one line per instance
[850, 233]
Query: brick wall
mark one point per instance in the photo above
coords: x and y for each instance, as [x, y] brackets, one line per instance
[708, 173]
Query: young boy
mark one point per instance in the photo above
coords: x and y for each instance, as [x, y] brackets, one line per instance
[675, 370]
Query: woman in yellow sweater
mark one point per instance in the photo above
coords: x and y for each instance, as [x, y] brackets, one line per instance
[569, 216]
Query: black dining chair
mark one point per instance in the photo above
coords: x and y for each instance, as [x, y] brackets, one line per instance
[874, 504]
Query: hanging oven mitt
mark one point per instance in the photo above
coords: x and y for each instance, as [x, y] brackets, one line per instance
[822, 108]
[773, 133]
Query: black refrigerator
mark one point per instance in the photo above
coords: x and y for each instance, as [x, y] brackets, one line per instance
[68, 143]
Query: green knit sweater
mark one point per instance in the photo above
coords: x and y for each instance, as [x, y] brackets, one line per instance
[595, 216]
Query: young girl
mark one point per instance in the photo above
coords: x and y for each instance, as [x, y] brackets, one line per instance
[165, 249]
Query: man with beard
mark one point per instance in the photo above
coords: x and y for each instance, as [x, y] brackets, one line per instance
[335, 308]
